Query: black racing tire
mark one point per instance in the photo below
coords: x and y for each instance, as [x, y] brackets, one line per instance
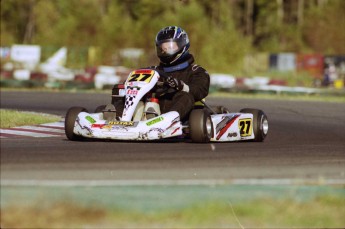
[70, 119]
[100, 108]
[200, 126]
[260, 123]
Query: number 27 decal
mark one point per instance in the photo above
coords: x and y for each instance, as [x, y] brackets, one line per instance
[245, 126]
[141, 75]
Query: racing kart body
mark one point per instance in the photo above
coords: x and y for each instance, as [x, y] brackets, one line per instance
[141, 118]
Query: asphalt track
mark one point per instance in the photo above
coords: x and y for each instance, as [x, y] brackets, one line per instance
[306, 141]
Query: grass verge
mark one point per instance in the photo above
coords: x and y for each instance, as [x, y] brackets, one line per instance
[321, 211]
[12, 118]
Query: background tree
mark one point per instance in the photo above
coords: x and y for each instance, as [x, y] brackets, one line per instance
[324, 29]
[221, 31]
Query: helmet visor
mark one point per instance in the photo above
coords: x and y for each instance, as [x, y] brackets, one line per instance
[169, 47]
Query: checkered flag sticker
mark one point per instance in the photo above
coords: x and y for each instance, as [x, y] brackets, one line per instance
[131, 93]
[129, 101]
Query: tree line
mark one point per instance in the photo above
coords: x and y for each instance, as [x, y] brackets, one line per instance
[221, 31]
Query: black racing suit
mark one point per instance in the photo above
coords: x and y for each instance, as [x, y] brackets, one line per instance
[197, 79]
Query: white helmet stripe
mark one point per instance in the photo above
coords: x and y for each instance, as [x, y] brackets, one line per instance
[175, 28]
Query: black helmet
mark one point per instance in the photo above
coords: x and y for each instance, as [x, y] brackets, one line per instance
[172, 44]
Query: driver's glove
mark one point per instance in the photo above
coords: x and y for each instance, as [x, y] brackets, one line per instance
[175, 83]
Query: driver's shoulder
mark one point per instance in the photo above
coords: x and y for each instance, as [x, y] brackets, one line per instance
[195, 68]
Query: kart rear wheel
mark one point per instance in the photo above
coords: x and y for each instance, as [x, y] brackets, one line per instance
[260, 123]
[70, 119]
[200, 125]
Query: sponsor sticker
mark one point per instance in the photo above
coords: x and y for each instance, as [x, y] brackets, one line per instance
[154, 121]
[132, 92]
[121, 123]
[232, 135]
[97, 125]
[144, 71]
[90, 119]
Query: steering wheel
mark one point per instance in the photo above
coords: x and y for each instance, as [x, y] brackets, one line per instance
[162, 87]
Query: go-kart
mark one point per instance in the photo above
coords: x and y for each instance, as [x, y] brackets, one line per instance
[140, 118]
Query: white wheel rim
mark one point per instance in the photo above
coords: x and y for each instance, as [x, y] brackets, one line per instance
[209, 127]
[265, 126]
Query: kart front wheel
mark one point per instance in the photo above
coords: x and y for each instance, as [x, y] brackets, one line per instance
[200, 125]
[260, 123]
[70, 119]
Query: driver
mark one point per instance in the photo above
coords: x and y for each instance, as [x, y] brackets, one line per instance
[190, 81]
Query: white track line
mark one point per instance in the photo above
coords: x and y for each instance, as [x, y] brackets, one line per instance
[48, 127]
[26, 133]
[55, 124]
[99, 183]
[42, 129]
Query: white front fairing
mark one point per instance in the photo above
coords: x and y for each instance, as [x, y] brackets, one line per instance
[92, 126]
[137, 85]
[232, 127]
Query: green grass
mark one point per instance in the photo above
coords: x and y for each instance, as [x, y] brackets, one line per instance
[13, 118]
[322, 211]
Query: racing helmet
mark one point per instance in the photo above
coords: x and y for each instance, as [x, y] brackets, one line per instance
[172, 44]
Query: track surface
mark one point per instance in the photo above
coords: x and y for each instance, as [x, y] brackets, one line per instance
[306, 140]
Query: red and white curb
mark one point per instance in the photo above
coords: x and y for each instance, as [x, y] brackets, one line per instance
[55, 129]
